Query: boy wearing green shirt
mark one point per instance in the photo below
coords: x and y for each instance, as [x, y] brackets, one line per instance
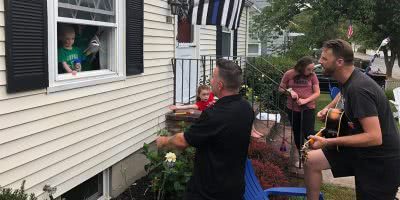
[69, 56]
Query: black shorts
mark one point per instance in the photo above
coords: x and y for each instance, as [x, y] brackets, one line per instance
[375, 178]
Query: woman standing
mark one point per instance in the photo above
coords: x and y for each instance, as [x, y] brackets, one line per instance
[302, 88]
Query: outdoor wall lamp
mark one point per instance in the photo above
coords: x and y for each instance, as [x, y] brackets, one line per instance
[175, 5]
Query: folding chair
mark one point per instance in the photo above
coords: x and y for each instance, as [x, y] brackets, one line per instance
[333, 91]
[253, 190]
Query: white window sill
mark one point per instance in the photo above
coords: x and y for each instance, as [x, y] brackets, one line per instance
[83, 79]
[186, 45]
[84, 75]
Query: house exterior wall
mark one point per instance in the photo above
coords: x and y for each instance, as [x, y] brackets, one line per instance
[64, 138]
[242, 34]
[207, 40]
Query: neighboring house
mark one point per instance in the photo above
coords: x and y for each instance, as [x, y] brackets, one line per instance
[275, 43]
[80, 132]
[255, 46]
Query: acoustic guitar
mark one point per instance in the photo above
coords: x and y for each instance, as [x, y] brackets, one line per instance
[336, 124]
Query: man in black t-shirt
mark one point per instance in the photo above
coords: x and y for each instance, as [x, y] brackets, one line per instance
[371, 152]
[221, 138]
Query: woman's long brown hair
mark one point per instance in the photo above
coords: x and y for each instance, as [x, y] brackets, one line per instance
[302, 64]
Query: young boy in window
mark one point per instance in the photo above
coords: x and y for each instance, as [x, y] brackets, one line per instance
[69, 56]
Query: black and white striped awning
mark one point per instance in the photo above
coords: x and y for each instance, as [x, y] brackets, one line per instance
[217, 12]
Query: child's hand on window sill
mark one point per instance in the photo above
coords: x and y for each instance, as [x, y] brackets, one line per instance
[172, 107]
[74, 72]
[78, 67]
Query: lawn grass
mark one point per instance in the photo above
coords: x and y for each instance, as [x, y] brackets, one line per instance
[322, 101]
[334, 192]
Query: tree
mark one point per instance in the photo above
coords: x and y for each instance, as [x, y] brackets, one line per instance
[321, 20]
[387, 24]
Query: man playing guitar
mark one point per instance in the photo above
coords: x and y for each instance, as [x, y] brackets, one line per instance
[371, 151]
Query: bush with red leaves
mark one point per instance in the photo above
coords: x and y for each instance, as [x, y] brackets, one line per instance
[269, 174]
[270, 166]
[264, 152]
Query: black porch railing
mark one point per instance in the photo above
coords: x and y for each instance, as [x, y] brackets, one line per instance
[260, 87]
[189, 73]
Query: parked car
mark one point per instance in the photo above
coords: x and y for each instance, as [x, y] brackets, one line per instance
[325, 81]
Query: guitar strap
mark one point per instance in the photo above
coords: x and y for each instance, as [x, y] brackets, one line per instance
[339, 127]
[340, 104]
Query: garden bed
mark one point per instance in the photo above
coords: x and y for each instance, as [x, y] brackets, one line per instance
[140, 190]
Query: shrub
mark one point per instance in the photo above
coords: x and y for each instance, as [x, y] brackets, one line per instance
[271, 68]
[264, 152]
[18, 194]
[168, 179]
[389, 94]
[270, 166]
[269, 174]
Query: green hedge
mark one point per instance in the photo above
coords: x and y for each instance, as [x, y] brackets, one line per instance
[18, 194]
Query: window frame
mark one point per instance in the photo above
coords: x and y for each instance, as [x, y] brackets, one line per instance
[259, 49]
[117, 68]
[228, 31]
[105, 187]
[195, 29]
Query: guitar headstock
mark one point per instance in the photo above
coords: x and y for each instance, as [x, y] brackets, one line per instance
[304, 152]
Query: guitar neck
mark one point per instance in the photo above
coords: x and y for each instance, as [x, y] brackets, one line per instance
[311, 141]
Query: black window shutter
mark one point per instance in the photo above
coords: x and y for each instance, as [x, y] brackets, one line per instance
[26, 45]
[219, 42]
[134, 37]
[235, 42]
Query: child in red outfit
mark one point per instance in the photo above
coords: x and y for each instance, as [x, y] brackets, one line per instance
[204, 100]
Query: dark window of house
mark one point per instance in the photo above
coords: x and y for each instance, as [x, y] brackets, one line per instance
[88, 190]
[226, 43]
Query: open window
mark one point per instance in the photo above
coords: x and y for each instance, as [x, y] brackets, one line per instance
[86, 45]
[110, 39]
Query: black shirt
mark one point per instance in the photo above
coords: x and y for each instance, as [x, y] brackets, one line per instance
[221, 138]
[363, 97]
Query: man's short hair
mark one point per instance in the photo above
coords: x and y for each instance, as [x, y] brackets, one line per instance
[340, 49]
[230, 73]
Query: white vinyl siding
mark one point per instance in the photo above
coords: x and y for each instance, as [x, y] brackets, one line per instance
[242, 34]
[208, 40]
[66, 137]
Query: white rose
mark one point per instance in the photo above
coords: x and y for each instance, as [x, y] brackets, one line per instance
[170, 157]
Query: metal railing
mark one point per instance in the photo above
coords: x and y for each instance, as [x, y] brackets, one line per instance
[260, 86]
[190, 73]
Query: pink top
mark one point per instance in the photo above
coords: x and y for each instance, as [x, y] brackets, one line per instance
[302, 85]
